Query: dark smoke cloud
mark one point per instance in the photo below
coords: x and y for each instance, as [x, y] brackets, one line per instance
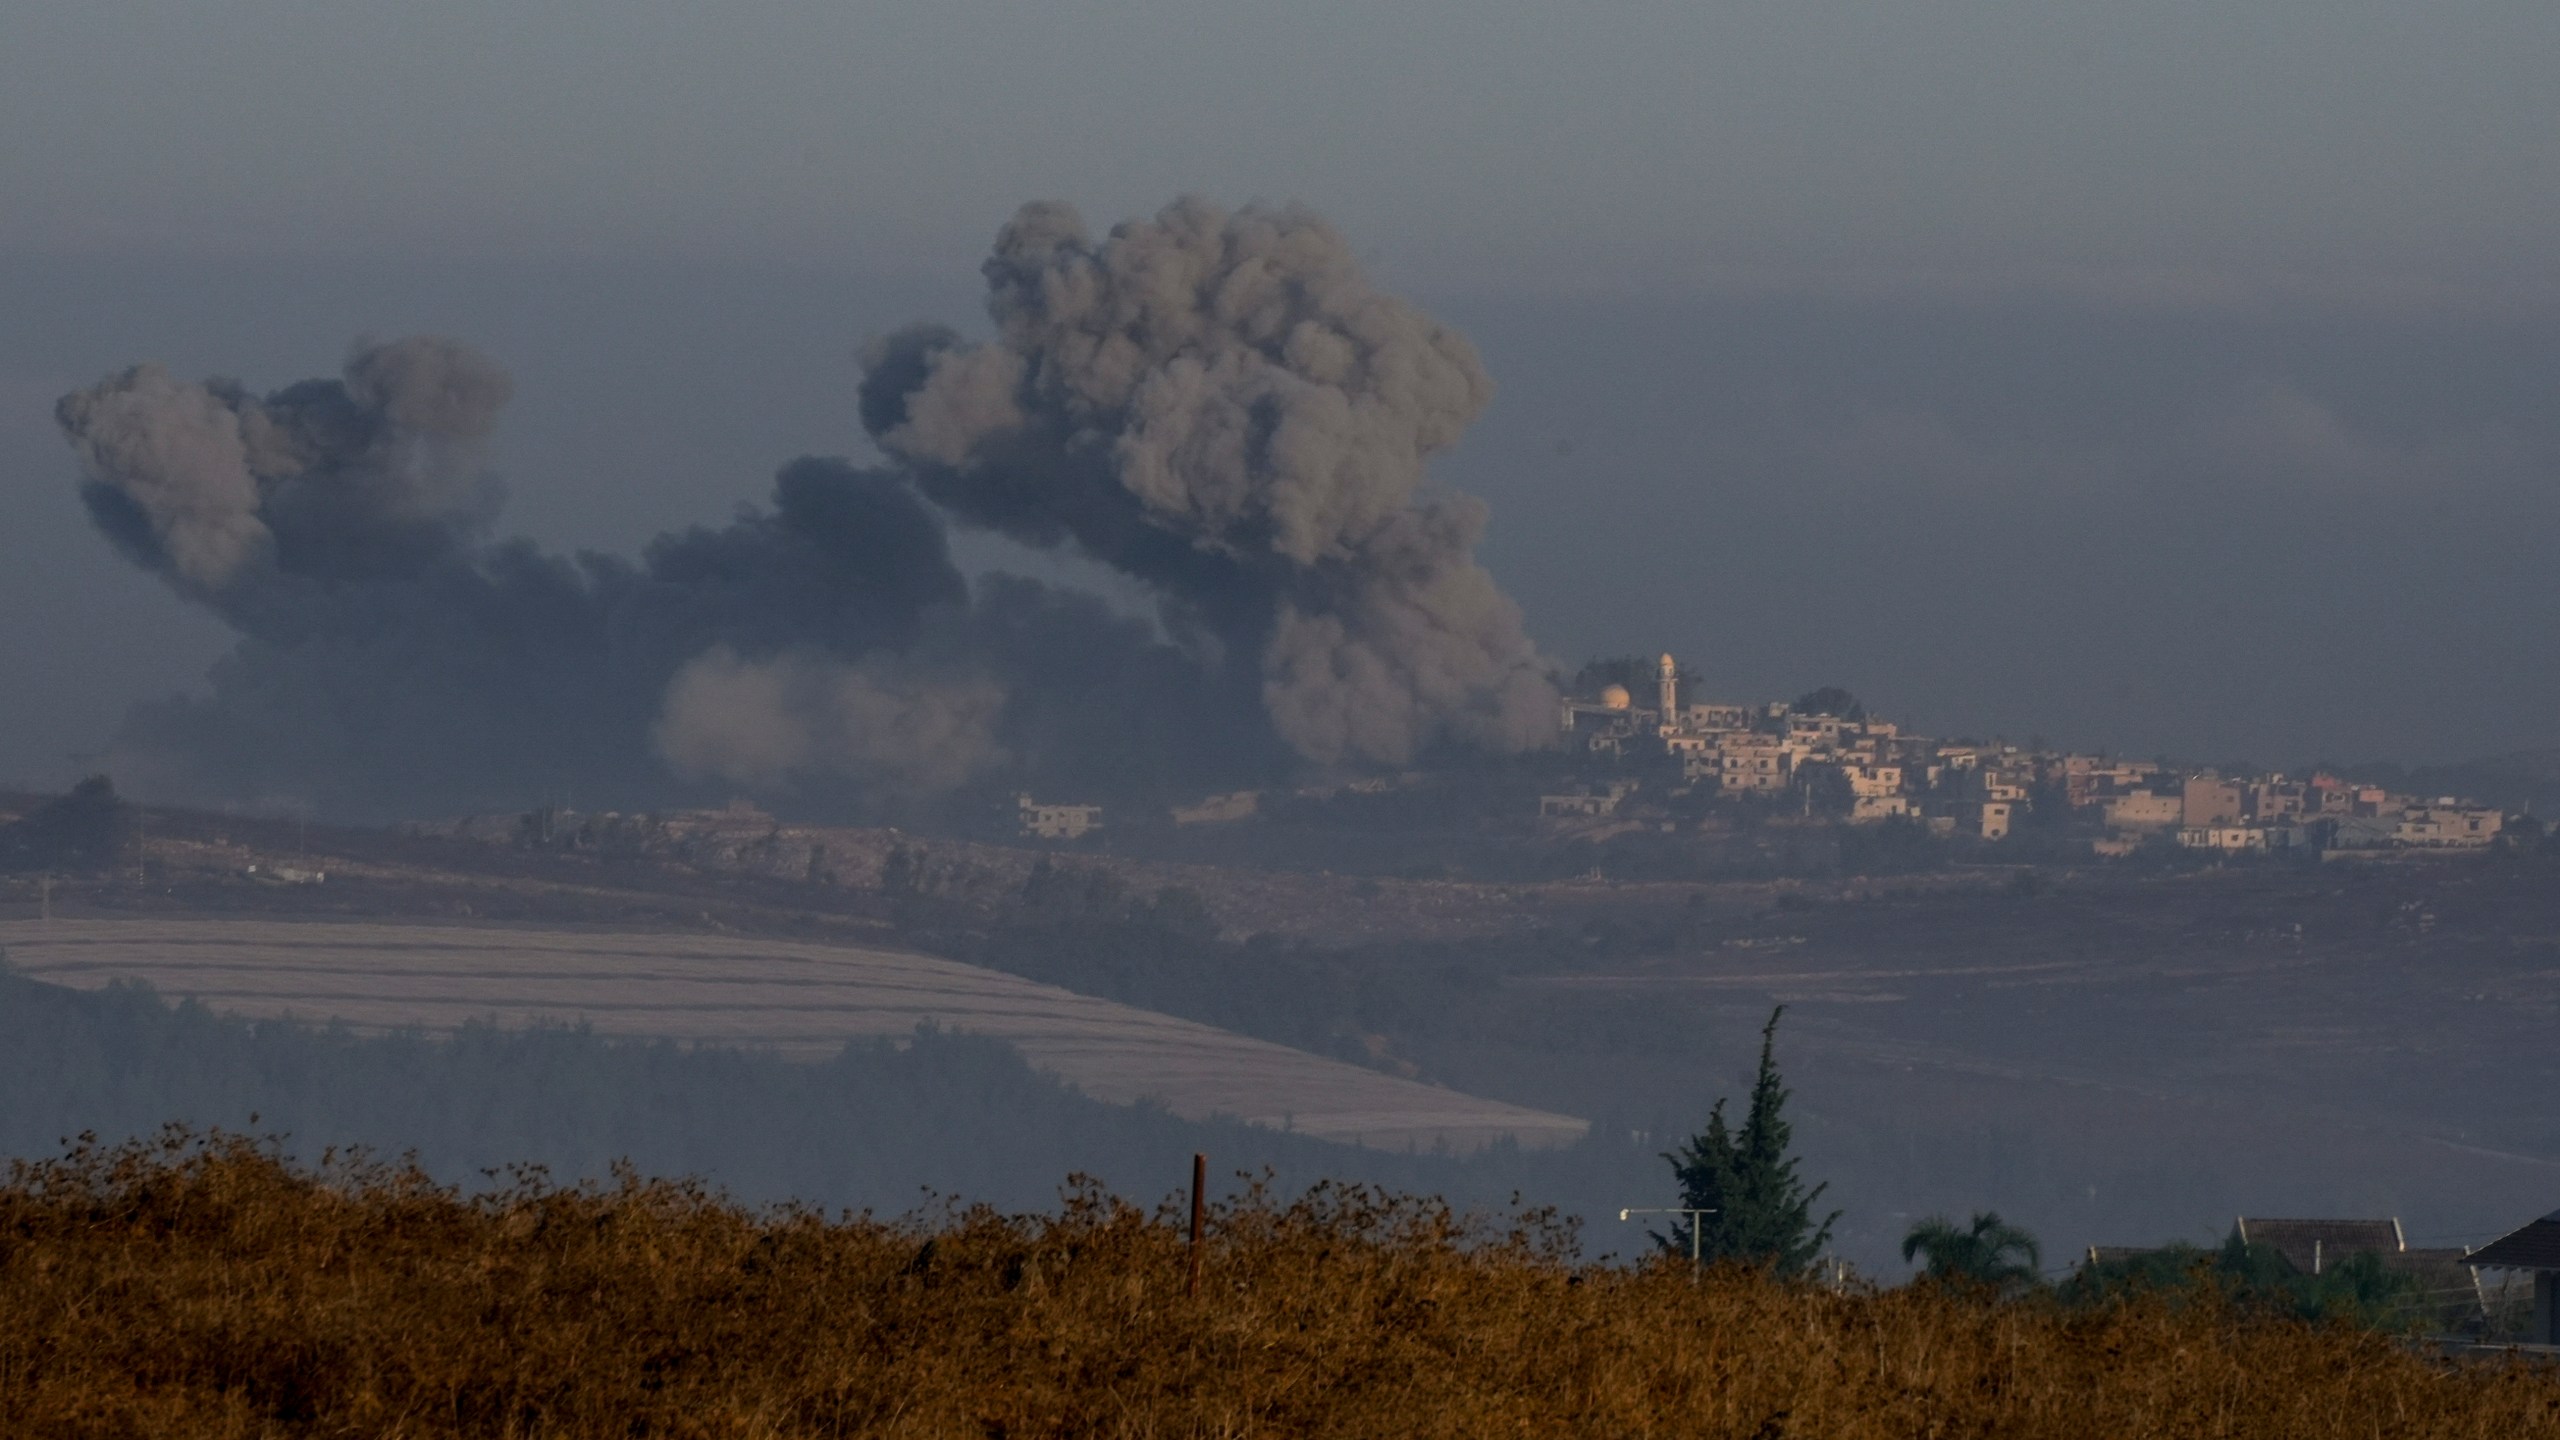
[234, 497]
[1216, 405]
[1221, 406]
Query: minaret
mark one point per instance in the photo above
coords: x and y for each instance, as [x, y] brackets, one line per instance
[1670, 694]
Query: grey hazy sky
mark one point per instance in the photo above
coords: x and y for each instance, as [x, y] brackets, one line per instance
[1618, 146]
[2170, 376]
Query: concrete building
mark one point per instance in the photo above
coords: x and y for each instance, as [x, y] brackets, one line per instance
[2240, 835]
[1057, 822]
[1586, 804]
[1868, 779]
[1709, 719]
[2276, 798]
[1753, 767]
[2143, 810]
[2211, 800]
[1868, 809]
[1989, 819]
[1220, 809]
[2447, 825]
[1686, 745]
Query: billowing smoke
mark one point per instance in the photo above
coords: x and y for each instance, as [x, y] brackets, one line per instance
[230, 495]
[1216, 405]
[797, 717]
[1222, 407]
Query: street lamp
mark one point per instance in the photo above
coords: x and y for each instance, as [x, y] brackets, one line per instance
[1695, 1219]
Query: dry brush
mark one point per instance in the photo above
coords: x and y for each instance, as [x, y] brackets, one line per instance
[192, 1288]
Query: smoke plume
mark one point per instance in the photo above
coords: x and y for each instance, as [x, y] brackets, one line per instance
[1216, 405]
[772, 723]
[1222, 407]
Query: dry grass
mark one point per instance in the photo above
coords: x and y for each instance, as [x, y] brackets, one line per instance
[184, 1290]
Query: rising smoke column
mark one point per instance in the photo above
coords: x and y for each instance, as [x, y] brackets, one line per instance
[395, 658]
[1221, 406]
[1217, 405]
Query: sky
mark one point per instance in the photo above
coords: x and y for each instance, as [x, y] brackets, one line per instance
[2167, 377]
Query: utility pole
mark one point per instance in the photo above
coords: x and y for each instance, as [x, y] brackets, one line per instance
[1696, 1223]
[1199, 1215]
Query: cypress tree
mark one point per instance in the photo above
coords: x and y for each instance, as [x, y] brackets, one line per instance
[1763, 1212]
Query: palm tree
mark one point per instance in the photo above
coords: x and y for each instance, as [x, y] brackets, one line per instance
[1993, 1254]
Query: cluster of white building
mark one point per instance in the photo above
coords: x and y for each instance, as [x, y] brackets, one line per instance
[1981, 790]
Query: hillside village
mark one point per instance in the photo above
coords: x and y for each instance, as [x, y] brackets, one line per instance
[1825, 757]
[1636, 753]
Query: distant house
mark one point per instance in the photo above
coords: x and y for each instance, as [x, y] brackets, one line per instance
[1715, 717]
[1586, 804]
[2143, 810]
[2354, 833]
[2535, 1250]
[2446, 1284]
[2277, 798]
[2240, 835]
[1220, 809]
[2209, 800]
[2446, 825]
[1868, 809]
[1057, 822]
[2313, 1245]
[1868, 778]
[1753, 767]
[1989, 819]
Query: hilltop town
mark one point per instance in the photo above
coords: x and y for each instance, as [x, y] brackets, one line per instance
[1827, 757]
[1637, 755]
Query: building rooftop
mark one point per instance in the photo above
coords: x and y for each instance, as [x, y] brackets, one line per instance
[2534, 1247]
[2312, 1245]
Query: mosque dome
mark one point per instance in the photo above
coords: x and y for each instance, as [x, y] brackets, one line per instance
[1616, 697]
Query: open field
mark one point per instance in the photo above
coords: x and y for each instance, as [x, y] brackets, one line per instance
[179, 1293]
[791, 997]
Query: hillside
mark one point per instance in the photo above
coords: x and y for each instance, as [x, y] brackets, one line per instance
[2108, 1056]
[792, 999]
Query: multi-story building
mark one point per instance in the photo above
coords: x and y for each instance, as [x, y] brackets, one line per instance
[1589, 803]
[1057, 822]
[1867, 809]
[1747, 765]
[2448, 825]
[2144, 810]
[2208, 800]
[2276, 798]
[2240, 835]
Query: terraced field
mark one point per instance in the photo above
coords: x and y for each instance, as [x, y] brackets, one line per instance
[794, 998]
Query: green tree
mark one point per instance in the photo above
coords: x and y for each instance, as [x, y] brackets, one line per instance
[1827, 791]
[2358, 1290]
[1991, 1253]
[1763, 1214]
